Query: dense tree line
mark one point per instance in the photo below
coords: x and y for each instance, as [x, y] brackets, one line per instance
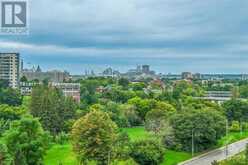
[170, 113]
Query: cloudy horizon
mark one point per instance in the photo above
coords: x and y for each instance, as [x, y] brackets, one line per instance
[170, 35]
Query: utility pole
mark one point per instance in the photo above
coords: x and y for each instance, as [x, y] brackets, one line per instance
[226, 138]
[192, 142]
[109, 157]
[241, 129]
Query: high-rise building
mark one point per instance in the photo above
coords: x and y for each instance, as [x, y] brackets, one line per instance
[10, 68]
[187, 75]
[145, 69]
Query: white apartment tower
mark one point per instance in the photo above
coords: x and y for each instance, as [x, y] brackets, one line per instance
[10, 68]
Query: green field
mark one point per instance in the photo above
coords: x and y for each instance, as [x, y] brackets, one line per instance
[63, 153]
[137, 133]
[232, 137]
[60, 154]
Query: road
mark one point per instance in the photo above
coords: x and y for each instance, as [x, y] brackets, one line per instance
[218, 154]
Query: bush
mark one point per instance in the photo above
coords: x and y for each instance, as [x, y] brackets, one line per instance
[124, 162]
[147, 152]
[5, 158]
[235, 126]
[170, 142]
[245, 126]
[61, 138]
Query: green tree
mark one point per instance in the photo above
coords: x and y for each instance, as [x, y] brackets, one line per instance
[26, 141]
[52, 108]
[243, 90]
[7, 115]
[94, 137]
[236, 110]
[206, 127]
[123, 82]
[10, 96]
[4, 83]
[23, 79]
[142, 105]
[5, 158]
[157, 119]
[147, 152]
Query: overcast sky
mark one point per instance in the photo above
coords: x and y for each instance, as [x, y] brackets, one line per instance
[207, 36]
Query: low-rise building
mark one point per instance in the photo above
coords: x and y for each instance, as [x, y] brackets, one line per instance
[53, 76]
[68, 89]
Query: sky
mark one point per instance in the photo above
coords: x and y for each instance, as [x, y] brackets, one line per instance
[206, 36]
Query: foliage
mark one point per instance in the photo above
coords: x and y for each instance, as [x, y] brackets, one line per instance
[7, 115]
[131, 115]
[123, 82]
[243, 90]
[142, 105]
[23, 79]
[118, 95]
[236, 110]
[235, 126]
[206, 126]
[52, 108]
[10, 96]
[147, 152]
[5, 158]
[26, 141]
[157, 119]
[61, 138]
[94, 137]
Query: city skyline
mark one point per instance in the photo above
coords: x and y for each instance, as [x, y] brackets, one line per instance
[171, 36]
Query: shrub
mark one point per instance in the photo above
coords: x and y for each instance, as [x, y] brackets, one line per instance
[235, 126]
[61, 138]
[147, 152]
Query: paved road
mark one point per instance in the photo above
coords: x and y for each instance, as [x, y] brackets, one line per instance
[218, 154]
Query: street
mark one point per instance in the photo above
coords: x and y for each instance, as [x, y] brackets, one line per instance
[217, 154]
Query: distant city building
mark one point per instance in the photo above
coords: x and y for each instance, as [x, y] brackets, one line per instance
[187, 75]
[109, 72]
[140, 73]
[10, 68]
[197, 76]
[146, 69]
[53, 76]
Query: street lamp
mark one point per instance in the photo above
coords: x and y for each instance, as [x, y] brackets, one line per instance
[241, 129]
[226, 138]
[192, 142]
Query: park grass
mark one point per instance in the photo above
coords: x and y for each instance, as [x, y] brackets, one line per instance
[137, 133]
[174, 157]
[232, 137]
[65, 155]
[60, 155]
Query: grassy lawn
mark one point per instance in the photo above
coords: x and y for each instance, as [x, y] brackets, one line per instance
[64, 154]
[137, 133]
[173, 157]
[60, 154]
[232, 137]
